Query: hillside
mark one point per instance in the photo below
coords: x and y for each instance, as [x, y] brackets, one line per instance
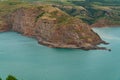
[101, 13]
[48, 24]
[97, 13]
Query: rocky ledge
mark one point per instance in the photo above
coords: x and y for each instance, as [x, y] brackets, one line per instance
[52, 27]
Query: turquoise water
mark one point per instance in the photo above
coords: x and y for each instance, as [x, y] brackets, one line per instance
[24, 58]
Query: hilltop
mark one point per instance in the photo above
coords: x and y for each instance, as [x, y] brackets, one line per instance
[96, 13]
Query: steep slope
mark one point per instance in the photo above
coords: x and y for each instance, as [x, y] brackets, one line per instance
[6, 8]
[48, 24]
[54, 28]
[96, 13]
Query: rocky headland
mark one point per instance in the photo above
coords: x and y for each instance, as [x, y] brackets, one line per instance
[51, 27]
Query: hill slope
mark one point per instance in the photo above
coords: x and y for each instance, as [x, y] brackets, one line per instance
[93, 12]
[49, 25]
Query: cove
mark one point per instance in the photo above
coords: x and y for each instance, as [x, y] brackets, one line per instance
[24, 58]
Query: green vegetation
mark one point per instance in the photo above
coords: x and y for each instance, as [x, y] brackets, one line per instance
[94, 10]
[10, 77]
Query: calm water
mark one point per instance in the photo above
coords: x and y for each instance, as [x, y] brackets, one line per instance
[24, 58]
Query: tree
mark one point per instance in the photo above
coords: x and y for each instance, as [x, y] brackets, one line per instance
[10, 77]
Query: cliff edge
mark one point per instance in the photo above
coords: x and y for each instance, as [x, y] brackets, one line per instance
[52, 27]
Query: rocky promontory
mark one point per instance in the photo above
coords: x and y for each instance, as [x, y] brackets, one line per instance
[51, 27]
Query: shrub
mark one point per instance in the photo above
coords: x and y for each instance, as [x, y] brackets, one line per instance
[10, 77]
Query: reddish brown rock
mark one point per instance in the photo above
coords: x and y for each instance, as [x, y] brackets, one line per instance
[104, 23]
[54, 28]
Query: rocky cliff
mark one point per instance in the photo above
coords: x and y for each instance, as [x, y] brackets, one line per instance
[54, 28]
[51, 27]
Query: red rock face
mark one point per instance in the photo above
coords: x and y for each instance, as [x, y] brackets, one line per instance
[104, 23]
[48, 31]
[23, 21]
[4, 27]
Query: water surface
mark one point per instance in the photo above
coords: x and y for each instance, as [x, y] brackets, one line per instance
[24, 58]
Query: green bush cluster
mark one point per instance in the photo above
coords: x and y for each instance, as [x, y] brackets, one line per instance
[10, 77]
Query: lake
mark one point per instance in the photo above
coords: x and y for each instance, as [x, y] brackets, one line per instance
[24, 58]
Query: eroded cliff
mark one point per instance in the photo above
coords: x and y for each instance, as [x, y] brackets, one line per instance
[54, 28]
[51, 27]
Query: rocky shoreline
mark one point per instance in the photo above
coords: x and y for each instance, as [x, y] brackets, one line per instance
[53, 28]
[74, 46]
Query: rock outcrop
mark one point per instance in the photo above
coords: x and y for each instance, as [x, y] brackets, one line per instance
[53, 27]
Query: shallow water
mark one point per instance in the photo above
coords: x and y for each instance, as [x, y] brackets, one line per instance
[24, 58]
